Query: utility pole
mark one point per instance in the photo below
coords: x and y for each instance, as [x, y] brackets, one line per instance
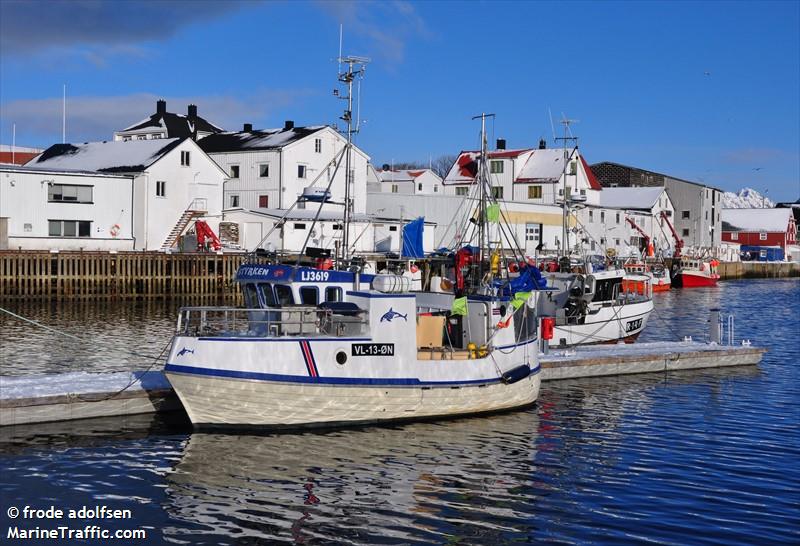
[565, 207]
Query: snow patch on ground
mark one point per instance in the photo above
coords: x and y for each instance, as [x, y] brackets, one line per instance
[37, 386]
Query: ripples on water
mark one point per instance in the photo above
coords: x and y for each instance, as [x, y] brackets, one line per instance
[702, 457]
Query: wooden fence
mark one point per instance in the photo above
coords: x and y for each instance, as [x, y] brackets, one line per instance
[123, 275]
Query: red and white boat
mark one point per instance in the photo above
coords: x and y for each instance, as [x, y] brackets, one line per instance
[694, 273]
[658, 274]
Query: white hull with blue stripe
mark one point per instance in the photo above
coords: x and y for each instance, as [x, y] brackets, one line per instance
[368, 357]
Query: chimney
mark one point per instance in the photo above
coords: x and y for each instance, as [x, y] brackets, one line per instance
[542, 144]
[192, 111]
[161, 106]
[288, 125]
[248, 127]
[501, 144]
[385, 167]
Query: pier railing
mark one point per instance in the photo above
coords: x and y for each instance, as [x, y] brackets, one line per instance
[122, 275]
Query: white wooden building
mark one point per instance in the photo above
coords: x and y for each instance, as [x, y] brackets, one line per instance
[119, 195]
[270, 169]
[410, 181]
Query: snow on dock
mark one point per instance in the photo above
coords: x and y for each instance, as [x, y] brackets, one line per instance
[81, 395]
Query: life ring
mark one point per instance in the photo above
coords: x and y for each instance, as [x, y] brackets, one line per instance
[414, 268]
[611, 252]
[115, 229]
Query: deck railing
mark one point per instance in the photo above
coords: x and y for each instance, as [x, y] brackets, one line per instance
[296, 320]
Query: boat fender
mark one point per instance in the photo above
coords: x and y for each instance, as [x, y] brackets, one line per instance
[516, 374]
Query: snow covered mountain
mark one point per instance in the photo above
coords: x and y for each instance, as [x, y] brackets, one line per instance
[746, 198]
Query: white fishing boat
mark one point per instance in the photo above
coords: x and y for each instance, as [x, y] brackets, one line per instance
[311, 349]
[316, 347]
[597, 307]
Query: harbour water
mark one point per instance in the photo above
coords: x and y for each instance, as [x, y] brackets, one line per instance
[702, 457]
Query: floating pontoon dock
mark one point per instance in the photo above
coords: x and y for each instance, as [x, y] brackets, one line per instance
[65, 397]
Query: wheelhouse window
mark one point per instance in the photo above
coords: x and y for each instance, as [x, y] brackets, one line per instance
[69, 228]
[267, 295]
[250, 296]
[309, 295]
[64, 193]
[284, 295]
[333, 293]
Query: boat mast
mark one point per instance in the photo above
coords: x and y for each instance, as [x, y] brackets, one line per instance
[483, 181]
[355, 67]
[564, 250]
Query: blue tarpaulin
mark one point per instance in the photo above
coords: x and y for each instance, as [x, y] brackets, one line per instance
[529, 279]
[412, 238]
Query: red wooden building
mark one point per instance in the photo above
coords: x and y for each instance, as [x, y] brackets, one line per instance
[759, 227]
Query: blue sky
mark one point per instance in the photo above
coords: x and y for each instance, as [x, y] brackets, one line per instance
[707, 91]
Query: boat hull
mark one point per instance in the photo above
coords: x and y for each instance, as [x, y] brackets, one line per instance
[608, 325]
[231, 402]
[694, 280]
[661, 287]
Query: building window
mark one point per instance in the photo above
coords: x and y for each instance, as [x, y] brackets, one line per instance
[69, 194]
[301, 171]
[603, 241]
[593, 245]
[337, 227]
[263, 201]
[299, 226]
[618, 218]
[234, 200]
[534, 192]
[706, 215]
[497, 192]
[591, 216]
[685, 214]
[141, 137]
[435, 188]
[161, 188]
[735, 236]
[185, 159]
[685, 232]
[263, 170]
[234, 171]
[496, 167]
[392, 228]
[616, 242]
[394, 188]
[602, 216]
[69, 228]
[762, 236]
[126, 139]
[318, 145]
[583, 192]
[419, 186]
[462, 190]
[531, 232]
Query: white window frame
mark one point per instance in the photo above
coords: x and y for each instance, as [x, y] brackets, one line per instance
[186, 158]
[302, 171]
[762, 235]
[238, 171]
[161, 189]
[318, 145]
[496, 166]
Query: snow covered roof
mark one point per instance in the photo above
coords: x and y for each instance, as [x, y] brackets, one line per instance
[543, 166]
[176, 125]
[265, 139]
[771, 220]
[403, 175]
[466, 166]
[630, 198]
[74, 172]
[108, 156]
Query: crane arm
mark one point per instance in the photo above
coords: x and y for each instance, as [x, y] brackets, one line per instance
[204, 232]
[678, 240]
[640, 230]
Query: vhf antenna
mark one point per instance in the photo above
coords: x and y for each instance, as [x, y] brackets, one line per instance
[351, 68]
[565, 208]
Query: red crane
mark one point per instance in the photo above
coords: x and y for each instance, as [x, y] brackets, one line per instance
[205, 232]
[647, 248]
[678, 240]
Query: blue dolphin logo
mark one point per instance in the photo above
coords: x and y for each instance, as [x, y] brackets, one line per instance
[392, 314]
[184, 351]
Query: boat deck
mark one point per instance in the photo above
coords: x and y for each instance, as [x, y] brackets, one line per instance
[64, 397]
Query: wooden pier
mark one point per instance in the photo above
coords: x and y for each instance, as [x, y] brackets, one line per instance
[118, 275]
